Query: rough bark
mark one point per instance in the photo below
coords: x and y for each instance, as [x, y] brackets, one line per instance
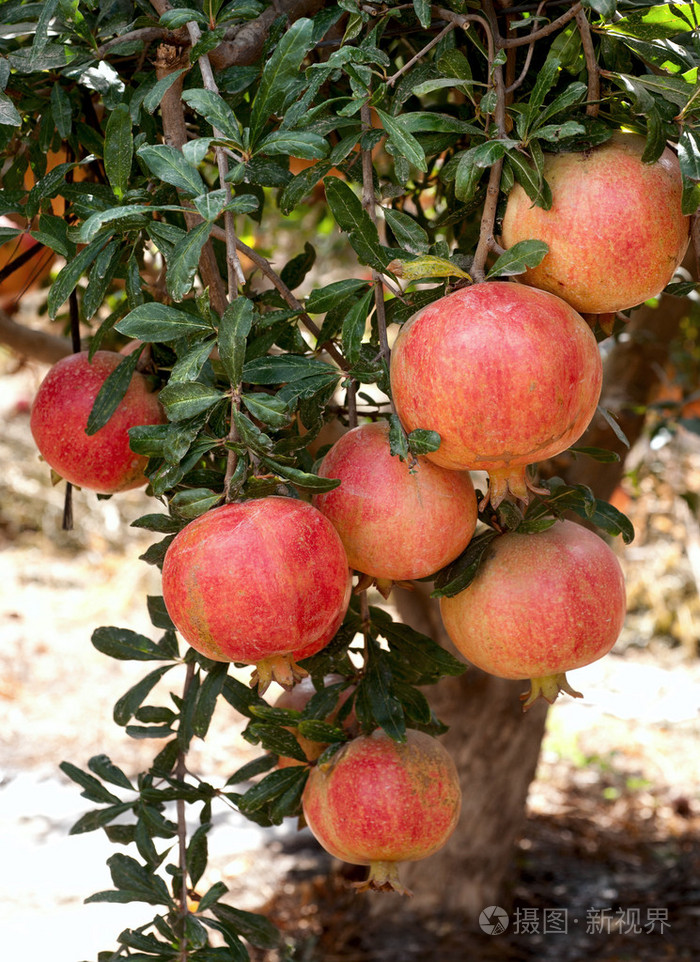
[38, 345]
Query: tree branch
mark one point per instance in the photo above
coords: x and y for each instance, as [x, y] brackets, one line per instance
[247, 45]
[593, 97]
[37, 345]
[552, 27]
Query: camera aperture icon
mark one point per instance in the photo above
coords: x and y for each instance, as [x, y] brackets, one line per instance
[493, 920]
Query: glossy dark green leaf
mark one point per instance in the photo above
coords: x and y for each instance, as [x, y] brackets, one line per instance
[128, 875]
[603, 455]
[161, 322]
[301, 185]
[375, 698]
[105, 768]
[270, 788]
[126, 645]
[302, 479]
[421, 659]
[295, 270]
[460, 573]
[322, 299]
[267, 408]
[398, 441]
[119, 149]
[112, 393]
[518, 258]
[212, 895]
[321, 731]
[183, 399]
[257, 767]
[277, 740]
[130, 701]
[614, 426]
[423, 12]
[68, 276]
[93, 789]
[155, 95]
[689, 154]
[281, 369]
[207, 698]
[197, 853]
[421, 441]
[193, 502]
[215, 111]
[99, 818]
[101, 277]
[407, 231]
[297, 143]
[402, 141]
[353, 329]
[169, 165]
[256, 929]
[280, 80]
[183, 261]
[611, 520]
[354, 220]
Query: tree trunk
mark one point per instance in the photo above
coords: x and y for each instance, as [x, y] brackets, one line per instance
[495, 746]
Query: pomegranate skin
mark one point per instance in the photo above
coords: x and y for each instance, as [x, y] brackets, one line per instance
[257, 580]
[378, 802]
[101, 462]
[540, 605]
[506, 374]
[616, 231]
[396, 522]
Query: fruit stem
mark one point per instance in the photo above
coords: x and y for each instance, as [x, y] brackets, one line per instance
[383, 877]
[511, 482]
[547, 687]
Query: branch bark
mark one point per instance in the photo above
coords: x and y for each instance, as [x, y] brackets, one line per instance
[37, 345]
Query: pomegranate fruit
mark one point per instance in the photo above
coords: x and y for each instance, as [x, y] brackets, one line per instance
[101, 462]
[540, 605]
[378, 802]
[263, 582]
[297, 699]
[616, 232]
[396, 521]
[506, 374]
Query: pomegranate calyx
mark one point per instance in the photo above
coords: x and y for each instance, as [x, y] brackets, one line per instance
[547, 687]
[280, 668]
[383, 877]
[512, 483]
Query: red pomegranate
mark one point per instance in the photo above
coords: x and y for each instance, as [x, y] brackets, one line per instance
[616, 231]
[542, 604]
[103, 461]
[297, 698]
[397, 521]
[263, 582]
[506, 374]
[379, 802]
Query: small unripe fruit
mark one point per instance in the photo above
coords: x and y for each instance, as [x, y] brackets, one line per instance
[262, 582]
[378, 802]
[397, 521]
[540, 605]
[103, 461]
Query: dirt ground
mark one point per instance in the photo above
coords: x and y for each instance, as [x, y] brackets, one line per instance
[607, 867]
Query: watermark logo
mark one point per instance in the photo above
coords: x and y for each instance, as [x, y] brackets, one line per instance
[493, 920]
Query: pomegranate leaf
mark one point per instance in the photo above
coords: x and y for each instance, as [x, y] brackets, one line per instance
[422, 441]
[460, 573]
[124, 644]
[255, 928]
[518, 258]
[112, 392]
[257, 767]
[270, 788]
[375, 702]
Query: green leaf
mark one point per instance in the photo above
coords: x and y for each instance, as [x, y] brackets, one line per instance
[172, 19]
[321, 731]
[206, 700]
[353, 329]
[169, 165]
[267, 408]
[125, 708]
[118, 149]
[606, 8]
[689, 154]
[302, 479]
[324, 298]
[402, 141]
[62, 110]
[423, 12]
[9, 115]
[270, 788]
[189, 366]
[254, 928]
[415, 657]
[104, 767]
[234, 329]
[212, 204]
[101, 276]
[279, 83]
[407, 232]
[421, 441]
[184, 261]
[128, 214]
[68, 277]
[612, 521]
[91, 821]
[197, 854]
[126, 645]
[112, 393]
[216, 112]
[93, 789]
[194, 501]
[398, 442]
[281, 369]
[301, 185]
[518, 258]
[427, 265]
[129, 876]
[295, 143]
[614, 426]
[160, 322]
[351, 218]
[375, 698]
[460, 573]
[155, 95]
[277, 740]
[183, 399]
[546, 79]
[257, 767]
[603, 455]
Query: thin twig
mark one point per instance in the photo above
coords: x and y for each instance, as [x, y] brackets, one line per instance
[507, 42]
[146, 34]
[593, 97]
[421, 53]
[463, 20]
[277, 282]
[528, 58]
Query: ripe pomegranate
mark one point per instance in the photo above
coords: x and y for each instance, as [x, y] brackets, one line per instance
[103, 461]
[297, 699]
[263, 582]
[378, 802]
[396, 521]
[542, 604]
[506, 374]
[615, 230]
